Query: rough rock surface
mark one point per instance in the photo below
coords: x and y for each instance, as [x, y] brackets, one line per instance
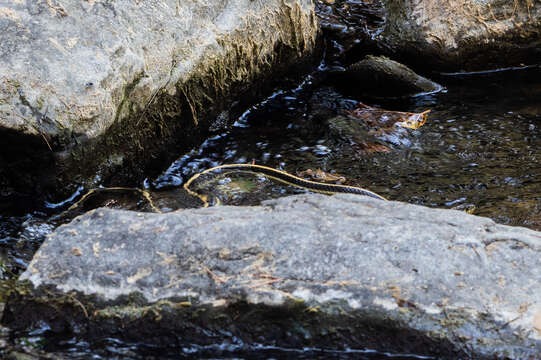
[310, 270]
[464, 34]
[89, 88]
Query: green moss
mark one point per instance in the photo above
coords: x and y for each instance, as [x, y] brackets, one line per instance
[40, 102]
[14, 83]
[125, 102]
[7, 282]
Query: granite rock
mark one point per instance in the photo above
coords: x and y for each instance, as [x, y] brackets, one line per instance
[333, 272]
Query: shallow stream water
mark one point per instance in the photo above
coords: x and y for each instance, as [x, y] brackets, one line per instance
[480, 151]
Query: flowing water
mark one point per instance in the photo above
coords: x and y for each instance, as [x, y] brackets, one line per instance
[480, 151]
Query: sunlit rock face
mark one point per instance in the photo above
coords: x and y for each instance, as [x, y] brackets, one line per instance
[91, 88]
[465, 35]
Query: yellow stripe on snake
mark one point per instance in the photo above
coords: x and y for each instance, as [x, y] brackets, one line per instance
[284, 177]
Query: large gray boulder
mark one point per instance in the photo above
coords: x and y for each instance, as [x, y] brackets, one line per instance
[464, 34]
[310, 270]
[91, 88]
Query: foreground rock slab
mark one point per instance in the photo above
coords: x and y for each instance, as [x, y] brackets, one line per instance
[464, 34]
[310, 270]
[92, 89]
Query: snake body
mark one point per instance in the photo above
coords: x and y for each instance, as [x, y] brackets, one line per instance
[286, 178]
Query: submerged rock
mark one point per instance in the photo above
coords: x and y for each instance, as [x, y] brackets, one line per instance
[382, 119]
[311, 270]
[464, 34]
[94, 88]
[369, 129]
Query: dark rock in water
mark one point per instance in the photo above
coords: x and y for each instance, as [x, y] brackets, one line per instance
[378, 118]
[378, 76]
[465, 35]
[367, 129]
[311, 270]
[91, 90]
[357, 134]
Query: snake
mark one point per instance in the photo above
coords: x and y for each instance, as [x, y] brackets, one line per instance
[284, 177]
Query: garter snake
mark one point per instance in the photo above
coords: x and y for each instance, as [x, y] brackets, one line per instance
[284, 177]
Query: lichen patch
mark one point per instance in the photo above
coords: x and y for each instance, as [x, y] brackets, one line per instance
[9, 14]
[537, 322]
[141, 273]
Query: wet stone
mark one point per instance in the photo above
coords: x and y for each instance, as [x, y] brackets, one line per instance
[337, 272]
[379, 76]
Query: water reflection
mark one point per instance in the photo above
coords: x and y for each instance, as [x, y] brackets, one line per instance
[112, 348]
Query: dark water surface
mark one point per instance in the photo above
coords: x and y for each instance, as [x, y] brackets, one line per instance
[479, 151]
[111, 348]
